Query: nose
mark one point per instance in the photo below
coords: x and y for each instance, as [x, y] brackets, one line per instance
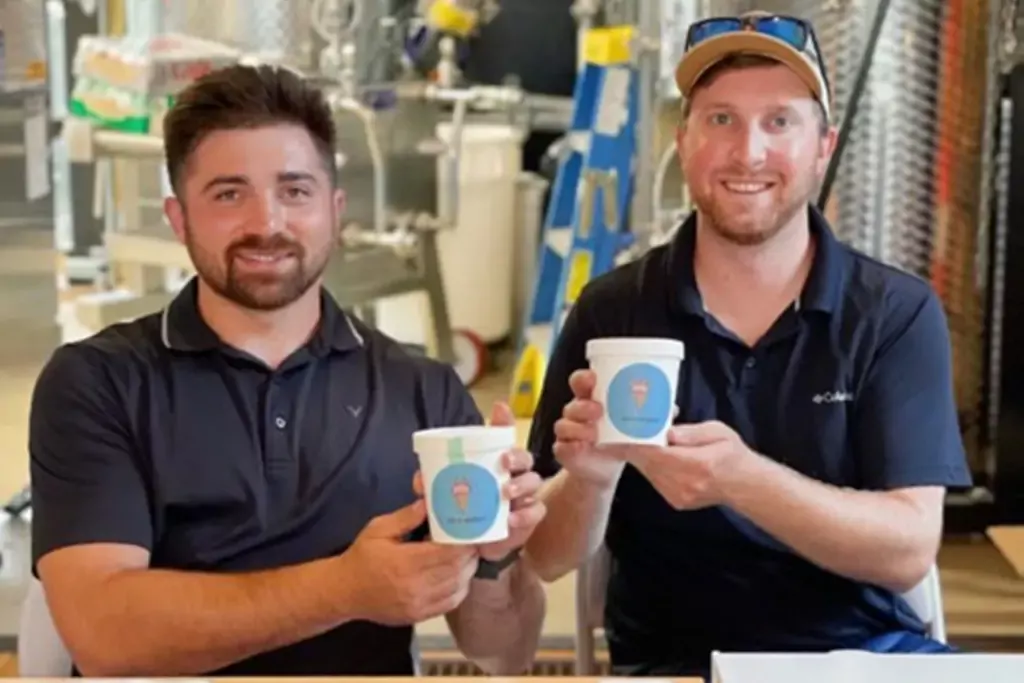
[267, 215]
[751, 148]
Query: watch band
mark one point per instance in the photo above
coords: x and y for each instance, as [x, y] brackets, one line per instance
[490, 570]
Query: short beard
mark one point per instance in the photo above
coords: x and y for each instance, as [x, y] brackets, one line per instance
[269, 295]
[719, 221]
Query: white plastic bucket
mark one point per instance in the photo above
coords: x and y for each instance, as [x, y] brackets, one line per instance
[477, 256]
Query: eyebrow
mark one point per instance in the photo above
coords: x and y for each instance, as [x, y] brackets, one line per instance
[730, 107]
[283, 177]
[293, 176]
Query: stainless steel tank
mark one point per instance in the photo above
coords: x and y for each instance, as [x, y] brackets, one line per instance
[294, 32]
[279, 30]
[912, 185]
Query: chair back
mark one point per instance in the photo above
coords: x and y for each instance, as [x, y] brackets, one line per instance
[41, 652]
[592, 583]
[926, 600]
[591, 589]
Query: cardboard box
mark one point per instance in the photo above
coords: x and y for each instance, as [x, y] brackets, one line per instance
[1010, 542]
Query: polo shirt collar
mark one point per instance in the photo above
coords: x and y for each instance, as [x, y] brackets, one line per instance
[822, 291]
[182, 328]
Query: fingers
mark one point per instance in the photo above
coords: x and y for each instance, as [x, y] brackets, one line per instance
[429, 556]
[449, 589]
[700, 434]
[582, 410]
[527, 515]
[568, 431]
[579, 417]
[517, 461]
[566, 450]
[525, 485]
[582, 383]
[398, 523]
[417, 484]
[436, 590]
[501, 415]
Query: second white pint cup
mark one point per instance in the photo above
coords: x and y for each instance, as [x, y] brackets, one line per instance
[463, 478]
[637, 379]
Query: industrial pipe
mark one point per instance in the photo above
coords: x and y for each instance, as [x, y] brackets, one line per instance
[114, 143]
[646, 46]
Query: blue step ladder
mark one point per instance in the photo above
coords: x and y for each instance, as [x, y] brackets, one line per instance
[587, 219]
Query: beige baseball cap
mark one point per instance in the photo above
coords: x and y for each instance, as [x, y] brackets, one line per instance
[747, 40]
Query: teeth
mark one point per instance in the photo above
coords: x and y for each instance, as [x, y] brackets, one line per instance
[262, 258]
[746, 188]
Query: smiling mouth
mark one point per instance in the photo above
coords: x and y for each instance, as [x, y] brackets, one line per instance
[747, 187]
[262, 257]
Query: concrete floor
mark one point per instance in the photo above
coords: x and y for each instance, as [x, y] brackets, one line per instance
[27, 310]
[984, 598]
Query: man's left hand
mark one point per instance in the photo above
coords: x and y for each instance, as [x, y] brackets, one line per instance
[522, 489]
[694, 470]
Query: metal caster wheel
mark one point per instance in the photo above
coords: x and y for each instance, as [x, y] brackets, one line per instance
[470, 356]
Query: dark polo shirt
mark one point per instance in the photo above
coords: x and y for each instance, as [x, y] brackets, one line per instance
[155, 434]
[851, 386]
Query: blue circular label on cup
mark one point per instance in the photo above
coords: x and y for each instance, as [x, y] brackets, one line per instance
[465, 499]
[639, 400]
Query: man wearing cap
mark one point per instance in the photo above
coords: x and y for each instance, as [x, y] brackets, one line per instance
[801, 493]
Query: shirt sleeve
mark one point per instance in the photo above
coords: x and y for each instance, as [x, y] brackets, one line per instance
[905, 427]
[568, 356]
[85, 479]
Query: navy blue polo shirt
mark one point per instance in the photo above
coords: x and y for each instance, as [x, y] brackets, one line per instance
[851, 386]
[156, 434]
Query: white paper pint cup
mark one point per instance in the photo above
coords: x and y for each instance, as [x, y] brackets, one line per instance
[463, 478]
[636, 384]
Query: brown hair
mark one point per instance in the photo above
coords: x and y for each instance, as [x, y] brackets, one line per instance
[238, 97]
[737, 62]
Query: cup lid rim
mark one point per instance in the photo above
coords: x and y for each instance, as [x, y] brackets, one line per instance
[635, 346]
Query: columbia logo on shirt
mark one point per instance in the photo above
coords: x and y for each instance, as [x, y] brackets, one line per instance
[833, 397]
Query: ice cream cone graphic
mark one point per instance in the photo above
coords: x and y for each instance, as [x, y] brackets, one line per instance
[639, 389]
[460, 492]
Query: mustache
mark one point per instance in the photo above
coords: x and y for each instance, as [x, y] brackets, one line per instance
[274, 243]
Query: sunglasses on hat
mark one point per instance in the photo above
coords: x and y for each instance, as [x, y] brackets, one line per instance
[797, 33]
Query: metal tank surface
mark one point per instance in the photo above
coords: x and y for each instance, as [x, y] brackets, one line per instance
[912, 186]
[278, 30]
[295, 33]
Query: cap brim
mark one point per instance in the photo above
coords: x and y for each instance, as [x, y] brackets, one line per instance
[701, 58]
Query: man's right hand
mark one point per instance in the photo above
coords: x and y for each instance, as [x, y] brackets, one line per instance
[396, 582]
[576, 436]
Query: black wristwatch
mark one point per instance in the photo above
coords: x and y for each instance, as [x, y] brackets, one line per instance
[491, 570]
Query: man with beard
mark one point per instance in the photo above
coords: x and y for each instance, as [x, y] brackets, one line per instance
[228, 486]
[801, 491]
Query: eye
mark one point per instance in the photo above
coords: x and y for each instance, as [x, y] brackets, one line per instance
[781, 122]
[226, 196]
[296, 192]
[720, 119]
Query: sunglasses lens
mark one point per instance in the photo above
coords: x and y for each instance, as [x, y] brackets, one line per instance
[787, 30]
[712, 27]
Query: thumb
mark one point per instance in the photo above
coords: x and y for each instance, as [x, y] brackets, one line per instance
[501, 415]
[398, 523]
